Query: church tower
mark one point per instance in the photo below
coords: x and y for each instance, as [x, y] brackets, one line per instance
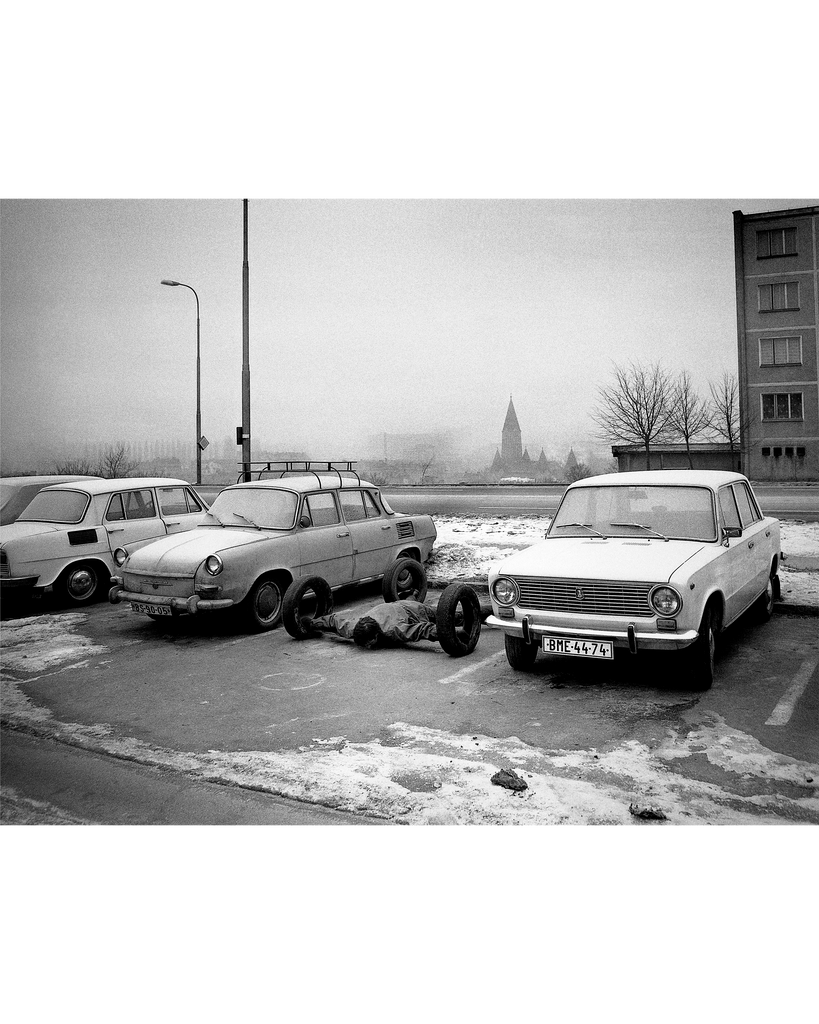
[511, 446]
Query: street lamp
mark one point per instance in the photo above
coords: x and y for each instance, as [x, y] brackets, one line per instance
[179, 284]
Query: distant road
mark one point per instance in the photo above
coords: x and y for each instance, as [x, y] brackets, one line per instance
[783, 502]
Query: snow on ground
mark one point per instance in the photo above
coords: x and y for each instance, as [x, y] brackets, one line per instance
[429, 776]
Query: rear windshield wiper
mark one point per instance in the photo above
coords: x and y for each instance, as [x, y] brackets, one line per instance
[641, 526]
[584, 526]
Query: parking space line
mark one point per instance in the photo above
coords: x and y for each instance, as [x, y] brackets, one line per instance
[781, 714]
[493, 659]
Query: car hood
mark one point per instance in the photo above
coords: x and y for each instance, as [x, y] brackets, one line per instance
[183, 552]
[650, 561]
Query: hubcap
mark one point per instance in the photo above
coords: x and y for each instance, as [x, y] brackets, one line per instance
[267, 602]
[81, 583]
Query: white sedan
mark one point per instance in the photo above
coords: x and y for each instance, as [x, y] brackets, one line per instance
[641, 561]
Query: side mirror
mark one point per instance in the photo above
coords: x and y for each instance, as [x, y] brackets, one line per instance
[728, 532]
[305, 521]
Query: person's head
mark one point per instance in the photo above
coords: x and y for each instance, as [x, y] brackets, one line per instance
[367, 633]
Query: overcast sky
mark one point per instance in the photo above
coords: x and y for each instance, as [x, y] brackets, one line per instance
[366, 316]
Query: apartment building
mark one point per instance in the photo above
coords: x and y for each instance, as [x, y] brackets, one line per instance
[777, 284]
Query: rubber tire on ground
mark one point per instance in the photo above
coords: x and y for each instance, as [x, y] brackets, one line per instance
[404, 580]
[297, 624]
[763, 608]
[262, 608]
[81, 583]
[701, 653]
[519, 654]
[458, 637]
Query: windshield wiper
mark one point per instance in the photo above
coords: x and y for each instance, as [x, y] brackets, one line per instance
[218, 520]
[641, 526]
[240, 516]
[585, 526]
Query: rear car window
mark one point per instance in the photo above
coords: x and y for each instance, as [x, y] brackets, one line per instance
[131, 505]
[56, 507]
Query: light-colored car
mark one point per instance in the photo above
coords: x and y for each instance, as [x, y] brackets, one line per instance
[65, 537]
[643, 561]
[17, 491]
[259, 537]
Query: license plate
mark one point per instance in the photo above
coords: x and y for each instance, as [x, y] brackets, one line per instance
[150, 609]
[578, 648]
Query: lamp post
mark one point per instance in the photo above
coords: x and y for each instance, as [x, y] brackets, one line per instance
[179, 284]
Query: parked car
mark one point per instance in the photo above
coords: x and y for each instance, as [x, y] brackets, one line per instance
[644, 561]
[65, 537]
[17, 491]
[260, 536]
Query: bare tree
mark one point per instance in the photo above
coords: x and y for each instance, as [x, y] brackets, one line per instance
[634, 408]
[579, 471]
[115, 462]
[75, 467]
[724, 411]
[689, 414]
[425, 466]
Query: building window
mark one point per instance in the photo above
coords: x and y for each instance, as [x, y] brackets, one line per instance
[782, 406]
[789, 453]
[800, 453]
[778, 242]
[766, 453]
[780, 351]
[777, 452]
[773, 297]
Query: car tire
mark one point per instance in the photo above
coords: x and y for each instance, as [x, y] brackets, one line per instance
[82, 582]
[404, 580]
[458, 620]
[520, 655]
[763, 609]
[298, 611]
[702, 652]
[262, 608]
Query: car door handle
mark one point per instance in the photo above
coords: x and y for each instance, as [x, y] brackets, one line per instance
[116, 529]
[345, 534]
[767, 533]
[172, 522]
[386, 527]
[750, 543]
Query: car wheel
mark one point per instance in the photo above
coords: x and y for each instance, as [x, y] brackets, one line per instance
[305, 600]
[519, 654]
[263, 605]
[702, 652]
[765, 602]
[81, 582]
[458, 620]
[404, 580]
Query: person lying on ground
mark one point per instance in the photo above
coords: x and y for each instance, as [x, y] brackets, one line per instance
[386, 625]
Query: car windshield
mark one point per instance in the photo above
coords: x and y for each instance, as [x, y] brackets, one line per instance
[55, 507]
[262, 507]
[652, 511]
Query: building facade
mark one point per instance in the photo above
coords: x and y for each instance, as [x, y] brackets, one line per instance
[777, 286]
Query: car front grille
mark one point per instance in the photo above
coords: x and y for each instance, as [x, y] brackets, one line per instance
[159, 586]
[5, 571]
[592, 597]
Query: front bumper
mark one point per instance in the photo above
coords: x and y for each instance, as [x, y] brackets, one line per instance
[629, 638]
[18, 582]
[179, 605]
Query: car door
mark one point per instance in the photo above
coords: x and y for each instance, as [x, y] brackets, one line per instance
[180, 508]
[370, 531]
[132, 518]
[758, 545]
[325, 544]
[735, 560]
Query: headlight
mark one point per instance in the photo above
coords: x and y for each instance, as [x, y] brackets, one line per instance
[213, 565]
[665, 601]
[505, 591]
[120, 556]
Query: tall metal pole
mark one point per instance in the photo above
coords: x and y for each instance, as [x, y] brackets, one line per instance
[179, 284]
[245, 355]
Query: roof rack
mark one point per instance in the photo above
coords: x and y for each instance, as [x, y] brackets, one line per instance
[302, 467]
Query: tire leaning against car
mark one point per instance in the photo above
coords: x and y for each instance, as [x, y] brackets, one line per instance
[458, 620]
[404, 580]
[298, 613]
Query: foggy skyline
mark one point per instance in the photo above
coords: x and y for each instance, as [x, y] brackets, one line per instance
[367, 317]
